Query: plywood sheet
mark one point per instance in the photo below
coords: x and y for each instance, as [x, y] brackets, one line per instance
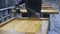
[20, 25]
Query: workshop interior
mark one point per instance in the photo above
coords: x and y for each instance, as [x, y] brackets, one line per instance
[29, 16]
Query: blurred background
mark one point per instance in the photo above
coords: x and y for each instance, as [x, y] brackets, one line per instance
[54, 27]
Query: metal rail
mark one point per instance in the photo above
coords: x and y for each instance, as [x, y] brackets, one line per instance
[12, 7]
[3, 9]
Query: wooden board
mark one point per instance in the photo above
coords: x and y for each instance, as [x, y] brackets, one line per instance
[26, 26]
[21, 25]
[49, 11]
[46, 11]
[46, 4]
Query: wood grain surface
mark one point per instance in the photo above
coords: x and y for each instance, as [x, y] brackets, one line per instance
[28, 26]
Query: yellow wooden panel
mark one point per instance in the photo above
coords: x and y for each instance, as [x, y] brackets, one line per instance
[21, 25]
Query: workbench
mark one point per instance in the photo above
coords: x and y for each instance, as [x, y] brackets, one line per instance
[24, 26]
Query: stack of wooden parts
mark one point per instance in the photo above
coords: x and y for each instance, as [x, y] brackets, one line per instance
[46, 8]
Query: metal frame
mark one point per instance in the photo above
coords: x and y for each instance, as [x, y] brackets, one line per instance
[5, 9]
